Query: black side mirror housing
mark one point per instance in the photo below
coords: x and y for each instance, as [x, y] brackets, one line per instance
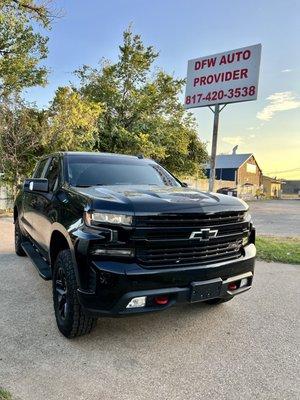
[184, 184]
[36, 185]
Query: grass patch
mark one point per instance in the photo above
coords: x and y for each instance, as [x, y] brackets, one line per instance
[278, 249]
[5, 395]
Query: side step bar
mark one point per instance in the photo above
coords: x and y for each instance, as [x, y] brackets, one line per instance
[38, 261]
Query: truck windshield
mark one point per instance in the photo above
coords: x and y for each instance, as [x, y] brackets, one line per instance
[90, 170]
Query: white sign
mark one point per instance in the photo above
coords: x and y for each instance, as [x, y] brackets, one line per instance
[223, 78]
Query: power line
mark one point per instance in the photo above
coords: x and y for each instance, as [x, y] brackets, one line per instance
[285, 171]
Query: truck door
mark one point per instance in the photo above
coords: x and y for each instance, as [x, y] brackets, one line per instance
[30, 198]
[45, 213]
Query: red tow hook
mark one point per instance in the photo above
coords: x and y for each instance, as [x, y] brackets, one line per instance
[161, 300]
[232, 286]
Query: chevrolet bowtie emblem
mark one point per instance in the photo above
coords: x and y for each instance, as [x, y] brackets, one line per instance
[205, 234]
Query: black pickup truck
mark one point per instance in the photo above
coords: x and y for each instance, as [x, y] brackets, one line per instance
[120, 235]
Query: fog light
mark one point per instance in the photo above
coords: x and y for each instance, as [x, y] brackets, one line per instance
[137, 302]
[244, 282]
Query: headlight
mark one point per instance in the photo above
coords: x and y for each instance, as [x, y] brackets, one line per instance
[113, 252]
[246, 237]
[247, 216]
[107, 218]
[245, 240]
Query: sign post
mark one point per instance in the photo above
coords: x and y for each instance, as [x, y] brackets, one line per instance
[214, 148]
[219, 79]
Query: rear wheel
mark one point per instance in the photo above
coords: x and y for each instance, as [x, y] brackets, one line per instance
[18, 240]
[70, 317]
[217, 301]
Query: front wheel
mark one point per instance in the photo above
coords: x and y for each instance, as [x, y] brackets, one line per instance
[70, 317]
[18, 240]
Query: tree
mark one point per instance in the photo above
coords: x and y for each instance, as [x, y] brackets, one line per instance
[26, 132]
[21, 48]
[72, 122]
[142, 110]
[21, 125]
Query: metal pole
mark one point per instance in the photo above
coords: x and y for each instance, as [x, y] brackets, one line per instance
[214, 148]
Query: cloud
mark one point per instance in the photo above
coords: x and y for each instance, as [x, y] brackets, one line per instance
[251, 128]
[286, 70]
[280, 101]
[252, 136]
[233, 140]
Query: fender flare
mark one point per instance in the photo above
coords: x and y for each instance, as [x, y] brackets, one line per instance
[57, 227]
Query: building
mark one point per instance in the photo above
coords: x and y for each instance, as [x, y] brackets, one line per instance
[242, 169]
[272, 187]
[291, 187]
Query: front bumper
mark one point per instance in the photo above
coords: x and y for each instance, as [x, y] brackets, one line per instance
[117, 283]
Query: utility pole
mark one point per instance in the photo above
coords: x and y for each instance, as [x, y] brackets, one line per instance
[212, 174]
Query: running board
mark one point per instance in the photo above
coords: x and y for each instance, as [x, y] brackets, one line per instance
[38, 261]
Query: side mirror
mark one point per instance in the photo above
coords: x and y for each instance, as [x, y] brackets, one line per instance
[36, 185]
[184, 184]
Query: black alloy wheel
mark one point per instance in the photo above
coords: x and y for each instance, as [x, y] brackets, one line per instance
[62, 293]
[72, 321]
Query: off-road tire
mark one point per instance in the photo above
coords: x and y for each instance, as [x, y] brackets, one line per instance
[75, 322]
[19, 240]
[217, 301]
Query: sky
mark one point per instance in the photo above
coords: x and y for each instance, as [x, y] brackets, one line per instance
[269, 127]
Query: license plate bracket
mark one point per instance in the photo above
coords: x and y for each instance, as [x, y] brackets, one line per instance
[205, 290]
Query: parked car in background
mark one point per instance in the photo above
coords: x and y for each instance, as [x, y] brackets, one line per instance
[228, 191]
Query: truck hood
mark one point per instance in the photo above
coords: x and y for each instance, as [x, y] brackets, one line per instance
[139, 199]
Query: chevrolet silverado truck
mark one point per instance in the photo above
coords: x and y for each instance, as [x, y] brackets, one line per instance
[120, 235]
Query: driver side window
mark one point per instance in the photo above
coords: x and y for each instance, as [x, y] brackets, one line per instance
[52, 174]
[40, 168]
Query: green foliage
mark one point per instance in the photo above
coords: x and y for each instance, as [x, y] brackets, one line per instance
[142, 111]
[21, 48]
[5, 395]
[72, 122]
[21, 126]
[123, 107]
[26, 133]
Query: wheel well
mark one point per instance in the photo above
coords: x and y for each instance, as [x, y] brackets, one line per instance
[58, 243]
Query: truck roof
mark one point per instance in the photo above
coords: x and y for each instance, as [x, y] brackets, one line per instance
[101, 154]
[96, 153]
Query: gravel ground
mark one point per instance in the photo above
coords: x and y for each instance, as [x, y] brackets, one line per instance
[276, 217]
[245, 349]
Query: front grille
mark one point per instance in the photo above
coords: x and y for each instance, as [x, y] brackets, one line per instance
[201, 254]
[180, 220]
[164, 240]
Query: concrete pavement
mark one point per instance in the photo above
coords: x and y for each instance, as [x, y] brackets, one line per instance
[245, 349]
[276, 217]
